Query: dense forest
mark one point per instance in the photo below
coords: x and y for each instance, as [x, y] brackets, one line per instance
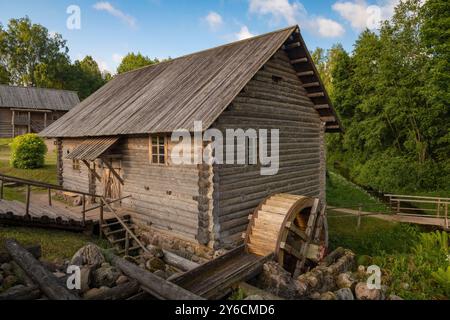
[392, 95]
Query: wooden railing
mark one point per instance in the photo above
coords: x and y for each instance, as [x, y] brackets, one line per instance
[103, 203]
[435, 207]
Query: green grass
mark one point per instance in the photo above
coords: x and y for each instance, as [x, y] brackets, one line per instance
[46, 174]
[345, 194]
[55, 244]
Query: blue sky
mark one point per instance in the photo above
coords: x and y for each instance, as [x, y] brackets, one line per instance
[163, 28]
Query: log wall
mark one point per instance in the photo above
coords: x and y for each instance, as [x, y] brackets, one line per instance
[268, 102]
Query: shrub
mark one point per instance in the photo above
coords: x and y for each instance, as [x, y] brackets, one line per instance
[28, 152]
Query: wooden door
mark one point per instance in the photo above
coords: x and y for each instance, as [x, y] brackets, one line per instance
[111, 185]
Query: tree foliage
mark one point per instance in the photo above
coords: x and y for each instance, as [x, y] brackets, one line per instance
[31, 56]
[134, 61]
[393, 98]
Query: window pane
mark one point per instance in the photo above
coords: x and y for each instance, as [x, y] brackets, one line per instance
[155, 159]
[154, 140]
[161, 149]
[162, 159]
[154, 150]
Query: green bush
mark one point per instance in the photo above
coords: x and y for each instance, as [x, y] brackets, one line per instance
[28, 152]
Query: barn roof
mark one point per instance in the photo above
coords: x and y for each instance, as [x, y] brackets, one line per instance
[37, 98]
[198, 87]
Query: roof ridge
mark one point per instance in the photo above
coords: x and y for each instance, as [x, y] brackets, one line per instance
[293, 27]
[37, 88]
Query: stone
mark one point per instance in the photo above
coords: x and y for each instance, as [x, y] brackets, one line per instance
[52, 267]
[254, 297]
[327, 296]
[362, 292]
[105, 265]
[315, 295]
[364, 260]
[394, 297]
[345, 280]
[7, 267]
[278, 281]
[219, 253]
[156, 252]
[86, 276]
[121, 280]
[344, 294]
[10, 281]
[154, 264]
[94, 292]
[105, 276]
[1, 280]
[88, 255]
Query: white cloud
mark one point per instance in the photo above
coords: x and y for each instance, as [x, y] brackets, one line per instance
[328, 28]
[293, 12]
[106, 6]
[117, 58]
[278, 9]
[214, 20]
[361, 15]
[244, 33]
[102, 65]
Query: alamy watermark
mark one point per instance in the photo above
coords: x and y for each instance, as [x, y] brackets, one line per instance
[73, 22]
[238, 146]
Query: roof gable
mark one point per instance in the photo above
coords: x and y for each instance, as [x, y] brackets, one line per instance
[173, 94]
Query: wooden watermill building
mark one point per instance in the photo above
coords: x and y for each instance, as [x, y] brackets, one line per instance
[117, 141]
[30, 110]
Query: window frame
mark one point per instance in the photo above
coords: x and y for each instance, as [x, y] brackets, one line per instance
[76, 165]
[158, 155]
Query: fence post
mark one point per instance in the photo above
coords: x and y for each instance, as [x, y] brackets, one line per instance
[27, 208]
[446, 215]
[127, 242]
[1, 189]
[49, 197]
[358, 225]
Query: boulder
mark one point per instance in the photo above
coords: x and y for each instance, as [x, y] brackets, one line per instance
[153, 264]
[105, 276]
[160, 273]
[345, 280]
[344, 294]
[1, 280]
[327, 296]
[10, 281]
[86, 275]
[88, 255]
[362, 292]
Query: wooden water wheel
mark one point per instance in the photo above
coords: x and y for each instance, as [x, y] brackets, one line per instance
[292, 227]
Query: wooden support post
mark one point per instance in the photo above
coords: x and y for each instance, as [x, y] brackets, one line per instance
[13, 123]
[27, 208]
[83, 199]
[1, 189]
[29, 122]
[49, 197]
[438, 208]
[45, 119]
[446, 215]
[100, 232]
[358, 225]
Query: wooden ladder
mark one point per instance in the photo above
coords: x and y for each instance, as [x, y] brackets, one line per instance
[120, 232]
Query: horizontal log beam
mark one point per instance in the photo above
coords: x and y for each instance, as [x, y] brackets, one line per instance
[305, 73]
[292, 45]
[316, 95]
[311, 85]
[300, 60]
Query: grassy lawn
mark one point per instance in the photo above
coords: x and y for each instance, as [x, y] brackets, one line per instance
[55, 244]
[45, 174]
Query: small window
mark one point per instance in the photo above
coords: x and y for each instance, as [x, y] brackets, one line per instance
[158, 151]
[76, 164]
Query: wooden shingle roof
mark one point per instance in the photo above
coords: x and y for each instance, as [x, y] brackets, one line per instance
[172, 95]
[37, 98]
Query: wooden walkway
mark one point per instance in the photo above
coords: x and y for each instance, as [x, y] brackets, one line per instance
[402, 218]
[56, 211]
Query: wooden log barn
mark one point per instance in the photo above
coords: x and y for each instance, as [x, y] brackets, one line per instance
[30, 110]
[117, 141]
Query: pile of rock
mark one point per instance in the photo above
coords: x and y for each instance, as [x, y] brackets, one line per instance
[333, 279]
[97, 275]
[8, 278]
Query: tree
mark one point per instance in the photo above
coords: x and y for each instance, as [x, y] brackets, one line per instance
[86, 77]
[135, 61]
[27, 49]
